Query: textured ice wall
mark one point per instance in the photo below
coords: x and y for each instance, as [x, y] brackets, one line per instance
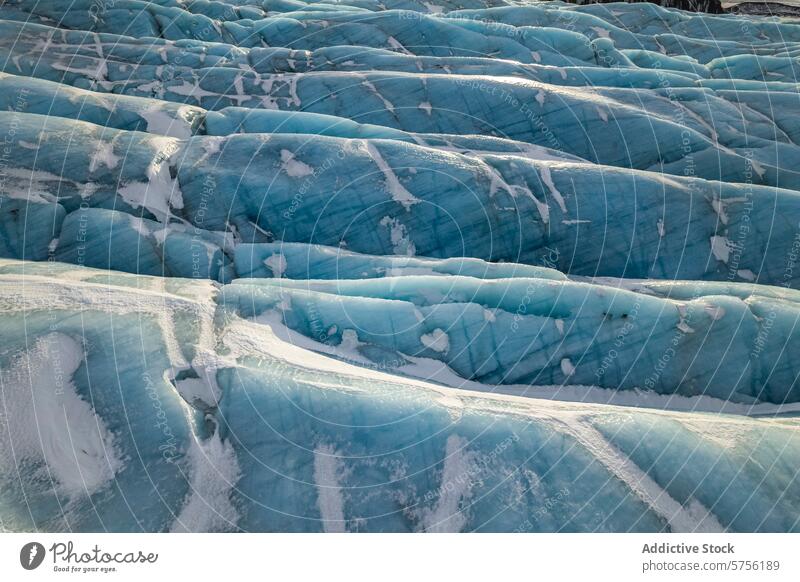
[208, 421]
[705, 99]
[180, 207]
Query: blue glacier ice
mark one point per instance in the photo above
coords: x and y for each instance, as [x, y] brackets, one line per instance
[460, 265]
[186, 412]
[179, 207]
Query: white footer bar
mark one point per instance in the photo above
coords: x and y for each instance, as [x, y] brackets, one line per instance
[389, 557]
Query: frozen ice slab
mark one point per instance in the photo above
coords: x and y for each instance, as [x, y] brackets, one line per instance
[183, 416]
[732, 344]
[593, 89]
[301, 261]
[152, 204]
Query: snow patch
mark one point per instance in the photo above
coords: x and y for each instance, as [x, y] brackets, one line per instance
[544, 172]
[746, 274]
[51, 424]
[398, 235]
[294, 167]
[457, 474]
[161, 192]
[393, 185]
[327, 469]
[103, 156]
[214, 473]
[720, 247]
[159, 121]
[437, 340]
[277, 264]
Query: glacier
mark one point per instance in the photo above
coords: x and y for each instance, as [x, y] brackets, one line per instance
[193, 416]
[460, 265]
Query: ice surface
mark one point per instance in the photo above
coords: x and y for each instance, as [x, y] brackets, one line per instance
[732, 344]
[299, 441]
[467, 265]
[180, 207]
